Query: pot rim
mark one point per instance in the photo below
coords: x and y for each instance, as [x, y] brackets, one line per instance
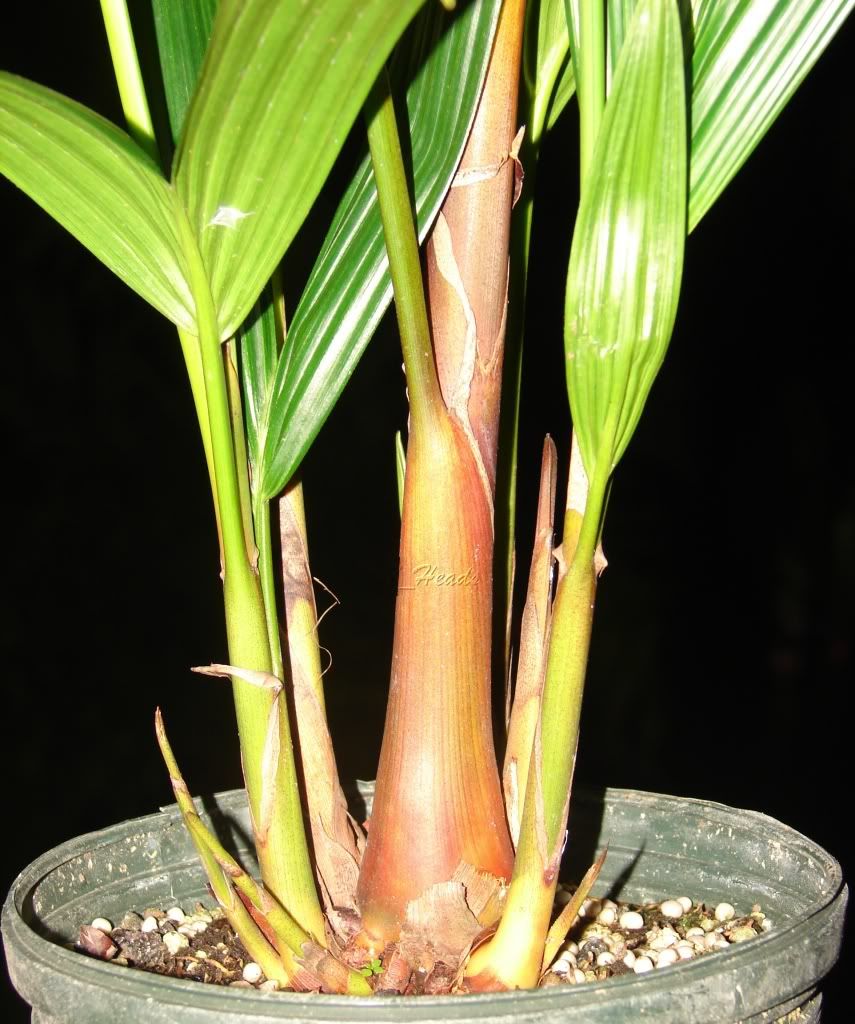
[182, 992]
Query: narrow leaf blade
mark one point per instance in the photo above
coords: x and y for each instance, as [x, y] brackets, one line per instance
[548, 68]
[749, 59]
[183, 30]
[626, 260]
[260, 344]
[262, 133]
[95, 181]
[349, 288]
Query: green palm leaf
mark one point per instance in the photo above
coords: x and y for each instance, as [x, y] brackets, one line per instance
[280, 87]
[95, 181]
[546, 65]
[744, 71]
[183, 30]
[349, 288]
[626, 260]
[748, 60]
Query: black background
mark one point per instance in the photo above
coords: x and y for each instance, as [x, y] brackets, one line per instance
[722, 652]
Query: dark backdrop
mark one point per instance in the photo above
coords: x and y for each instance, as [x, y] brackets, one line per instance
[722, 650]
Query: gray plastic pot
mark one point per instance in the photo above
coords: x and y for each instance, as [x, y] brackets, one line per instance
[658, 846]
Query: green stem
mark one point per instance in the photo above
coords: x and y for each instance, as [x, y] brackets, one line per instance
[261, 508]
[280, 834]
[403, 248]
[265, 737]
[193, 363]
[261, 516]
[128, 75]
[509, 412]
[534, 103]
[512, 959]
[135, 107]
[222, 871]
[241, 458]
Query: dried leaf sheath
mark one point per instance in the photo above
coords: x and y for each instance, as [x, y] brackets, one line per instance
[335, 836]
[534, 646]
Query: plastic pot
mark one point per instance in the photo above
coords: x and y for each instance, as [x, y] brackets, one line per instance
[659, 846]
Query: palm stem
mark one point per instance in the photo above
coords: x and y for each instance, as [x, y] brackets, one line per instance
[265, 737]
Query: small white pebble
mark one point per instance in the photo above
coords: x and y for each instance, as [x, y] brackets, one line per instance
[685, 952]
[766, 925]
[667, 956]
[631, 920]
[629, 958]
[590, 908]
[562, 897]
[252, 972]
[711, 940]
[149, 925]
[560, 967]
[102, 924]
[672, 908]
[605, 959]
[694, 931]
[663, 939]
[685, 903]
[186, 929]
[175, 942]
[578, 975]
[568, 958]
[271, 985]
[240, 983]
[724, 912]
[571, 947]
[642, 965]
[176, 914]
[722, 943]
[608, 915]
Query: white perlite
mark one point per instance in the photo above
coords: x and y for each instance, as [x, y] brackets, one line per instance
[175, 942]
[252, 972]
[724, 912]
[612, 938]
[631, 920]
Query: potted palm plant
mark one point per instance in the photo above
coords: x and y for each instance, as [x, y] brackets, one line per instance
[454, 885]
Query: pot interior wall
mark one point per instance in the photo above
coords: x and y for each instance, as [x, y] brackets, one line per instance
[658, 847]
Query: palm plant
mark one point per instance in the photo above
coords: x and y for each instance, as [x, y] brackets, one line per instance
[672, 100]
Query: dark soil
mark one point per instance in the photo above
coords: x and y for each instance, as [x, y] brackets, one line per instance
[216, 956]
